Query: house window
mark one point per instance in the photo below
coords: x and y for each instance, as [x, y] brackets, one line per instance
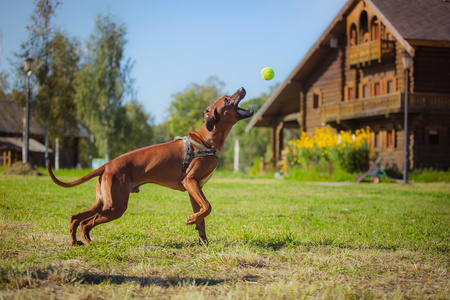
[390, 138]
[365, 91]
[375, 29]
[376, 140]
[364, 27]
[377, 89]
[316, 100]
[390, 86]
[389, 36]
[351, 94]
[352, 39]
[433, 137]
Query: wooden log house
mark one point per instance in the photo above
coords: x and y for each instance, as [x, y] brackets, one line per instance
[11, 139]
[353, 77]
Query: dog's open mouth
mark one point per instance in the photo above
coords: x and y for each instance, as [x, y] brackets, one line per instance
[242, 113]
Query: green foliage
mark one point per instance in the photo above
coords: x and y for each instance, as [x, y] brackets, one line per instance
[63, 63]
[55, 63]
[138, 131]
[322, 171]
[346, 151]
[4, 87]
[252, 144]
[430, 175]
[256, 167]
[186, 111]
[102, 85]
[162, 133]
[39, 47]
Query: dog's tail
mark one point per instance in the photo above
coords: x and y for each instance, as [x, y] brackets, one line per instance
[83, 179]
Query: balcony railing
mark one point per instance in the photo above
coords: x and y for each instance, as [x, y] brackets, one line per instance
[373, 50]
[384, 105]
[429, 102]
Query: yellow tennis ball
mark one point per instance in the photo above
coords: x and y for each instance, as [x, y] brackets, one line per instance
[267, 73]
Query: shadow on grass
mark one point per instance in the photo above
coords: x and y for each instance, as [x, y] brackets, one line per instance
[160, 281]
[52, 274]
[277, 244]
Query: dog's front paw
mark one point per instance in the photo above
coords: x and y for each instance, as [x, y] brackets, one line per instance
[196, 218]
[190, 220]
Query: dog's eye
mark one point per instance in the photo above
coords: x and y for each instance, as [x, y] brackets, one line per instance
[227, 101]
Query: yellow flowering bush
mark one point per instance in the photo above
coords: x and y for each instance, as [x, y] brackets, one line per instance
[350, 151]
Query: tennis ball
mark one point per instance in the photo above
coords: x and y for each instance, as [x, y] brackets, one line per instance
[267, 73]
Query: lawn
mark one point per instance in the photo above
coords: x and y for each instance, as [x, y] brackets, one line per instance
[269, 239]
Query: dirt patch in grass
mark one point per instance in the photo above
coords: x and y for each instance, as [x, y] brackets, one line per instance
[20, 168]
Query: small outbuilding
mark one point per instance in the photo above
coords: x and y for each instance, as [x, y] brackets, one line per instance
[11, 139]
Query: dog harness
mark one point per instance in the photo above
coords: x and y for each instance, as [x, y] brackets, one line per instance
[190, 153]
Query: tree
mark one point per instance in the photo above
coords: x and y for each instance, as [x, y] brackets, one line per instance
[186, 111]
[61, 110]
[4, 86]
[103, 83]
[7, 94]
[37, 46]
[64, 58]
[162, 133]
[138, 131]
[55, 61]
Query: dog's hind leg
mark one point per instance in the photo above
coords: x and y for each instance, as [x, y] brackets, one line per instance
[77, 218]
[115, 202]
[200, 226]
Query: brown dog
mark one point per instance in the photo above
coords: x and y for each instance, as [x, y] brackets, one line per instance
[184, 165]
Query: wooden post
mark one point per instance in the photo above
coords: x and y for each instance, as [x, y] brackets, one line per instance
[261, 165]
[273, 145]
[279, 141]
[302, 120]
[236, 156]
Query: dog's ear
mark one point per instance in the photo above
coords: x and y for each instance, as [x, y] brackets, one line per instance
[211, 118]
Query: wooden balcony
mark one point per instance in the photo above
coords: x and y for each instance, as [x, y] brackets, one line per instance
[374, 50]
[419, 102]
[383, 106]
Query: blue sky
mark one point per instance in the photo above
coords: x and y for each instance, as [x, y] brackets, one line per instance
[175, 43]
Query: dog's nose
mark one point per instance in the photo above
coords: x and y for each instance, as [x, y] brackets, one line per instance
[242, 90]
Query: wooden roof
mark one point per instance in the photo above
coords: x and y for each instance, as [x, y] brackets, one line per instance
[412, 22]
[416, 20]
[11, 122]
[16, 143]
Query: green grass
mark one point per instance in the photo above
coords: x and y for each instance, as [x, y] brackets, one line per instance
[430, 175]
[269, 239]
